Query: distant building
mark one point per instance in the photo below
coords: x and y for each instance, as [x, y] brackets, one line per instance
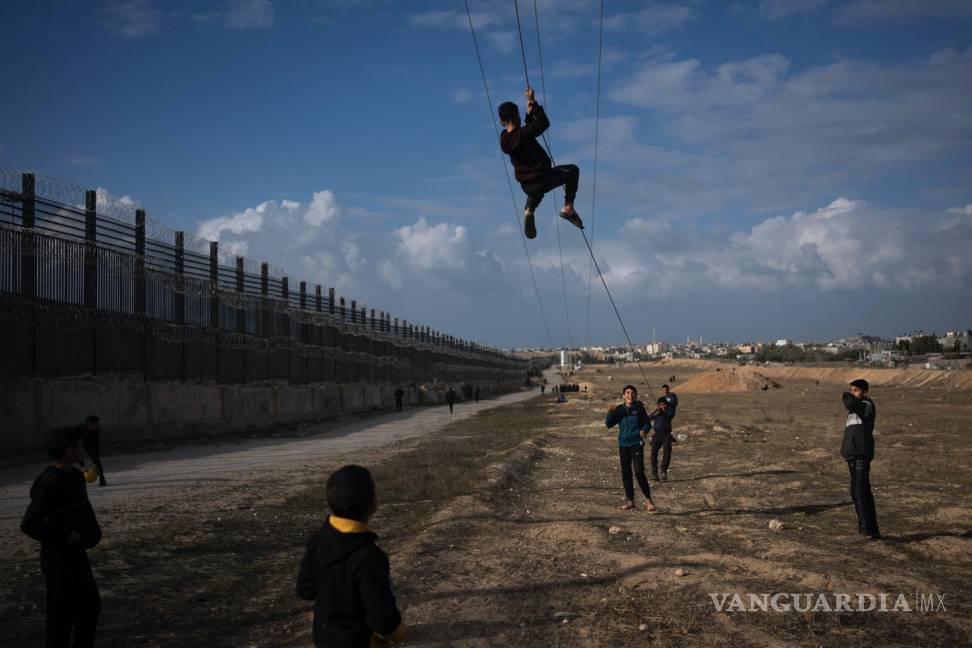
[956, 340]
[783, 342]
[656, 348]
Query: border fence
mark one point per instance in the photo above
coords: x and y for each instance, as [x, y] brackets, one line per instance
[90, 285]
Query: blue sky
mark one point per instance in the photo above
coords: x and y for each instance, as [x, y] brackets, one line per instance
[773, 168]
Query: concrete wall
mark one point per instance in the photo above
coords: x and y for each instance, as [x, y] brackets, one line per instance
[139, 410]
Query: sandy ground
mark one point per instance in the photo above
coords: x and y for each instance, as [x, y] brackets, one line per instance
[532, 549]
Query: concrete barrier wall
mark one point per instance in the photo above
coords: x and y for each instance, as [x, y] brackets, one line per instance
[139, 410]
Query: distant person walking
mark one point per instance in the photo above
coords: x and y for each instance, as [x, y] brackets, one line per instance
[633, 425]
[476, 394]
[91, 437]
[399, 398]
[543, 389]
[451, 399]
[858, 450]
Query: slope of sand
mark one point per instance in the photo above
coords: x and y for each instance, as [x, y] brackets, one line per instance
[843, 374]
[729, 379]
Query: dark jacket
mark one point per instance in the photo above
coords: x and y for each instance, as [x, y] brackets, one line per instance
[662, 424]
[672, 399]
[859, 429]
[631, 421]
[348, 578]
[59, 505]
[530, 161]
[450, 396]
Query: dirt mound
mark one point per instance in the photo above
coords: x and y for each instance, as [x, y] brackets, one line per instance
[729, 380]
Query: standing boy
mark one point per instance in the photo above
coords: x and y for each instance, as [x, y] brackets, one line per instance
[671, 398]
[858, 450]
[60, 517]
[346, 574]
[451, 399]
[661, 439]
[399, 397]
[532, 165]
[632, 421]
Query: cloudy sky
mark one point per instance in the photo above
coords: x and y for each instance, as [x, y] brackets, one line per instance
[768, 168]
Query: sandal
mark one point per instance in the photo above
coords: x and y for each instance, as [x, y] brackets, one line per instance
[627, 506]
[650, 507]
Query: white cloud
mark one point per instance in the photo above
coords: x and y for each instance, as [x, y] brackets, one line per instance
[654, 19]
[779, 9]
[460, 95]
[504, 41]
[131, 19]
[452, 20]
[248, 14]
[868, 12]
[755, 135]
[247, 221]
[428, 247]
[322, 209]
[847, 245]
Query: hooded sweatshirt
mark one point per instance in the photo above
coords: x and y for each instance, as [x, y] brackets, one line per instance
[859, 429]
[348, 578]
[631, 421]
[59, 505]
[530, 161]
[662, 423]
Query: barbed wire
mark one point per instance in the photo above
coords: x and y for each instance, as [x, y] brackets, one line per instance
[18, 241]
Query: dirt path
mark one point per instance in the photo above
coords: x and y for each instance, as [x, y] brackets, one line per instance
[161, 475]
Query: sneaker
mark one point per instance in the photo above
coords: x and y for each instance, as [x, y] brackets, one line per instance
[570, 215]
[529, 224]
[872, 535]
[664, 476]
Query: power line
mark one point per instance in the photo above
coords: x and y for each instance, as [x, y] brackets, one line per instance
[509, 182]
[597, 121]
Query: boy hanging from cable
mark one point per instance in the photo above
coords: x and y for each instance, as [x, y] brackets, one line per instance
[532, 164]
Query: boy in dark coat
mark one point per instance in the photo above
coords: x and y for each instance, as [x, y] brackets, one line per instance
[661, 439]
[60, 517]
[346, 574]
[632, 421]
[399, 397]
[858, 450]
[532, 165]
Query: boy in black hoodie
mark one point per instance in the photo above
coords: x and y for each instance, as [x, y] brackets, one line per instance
[661, 439]
[858, 450]
[346, 574]
[60, 517]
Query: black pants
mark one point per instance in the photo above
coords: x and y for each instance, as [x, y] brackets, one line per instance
[73, 602]
[860, 491]
[567, 175]
[398, 404]
[450, 407]
[634, 455]
[656, 445]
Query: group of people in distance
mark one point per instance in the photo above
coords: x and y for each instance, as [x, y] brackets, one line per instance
[343, 570]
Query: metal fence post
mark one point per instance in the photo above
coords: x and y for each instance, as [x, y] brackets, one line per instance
[91, 267]
[214, 298]
[265, 328]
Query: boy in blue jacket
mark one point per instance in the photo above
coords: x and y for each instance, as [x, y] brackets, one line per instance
[633, 425]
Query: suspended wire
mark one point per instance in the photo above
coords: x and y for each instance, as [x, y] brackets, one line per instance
[509, 182]
[634, 353]
[546, 142]
[597, 121]
[624, 329]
